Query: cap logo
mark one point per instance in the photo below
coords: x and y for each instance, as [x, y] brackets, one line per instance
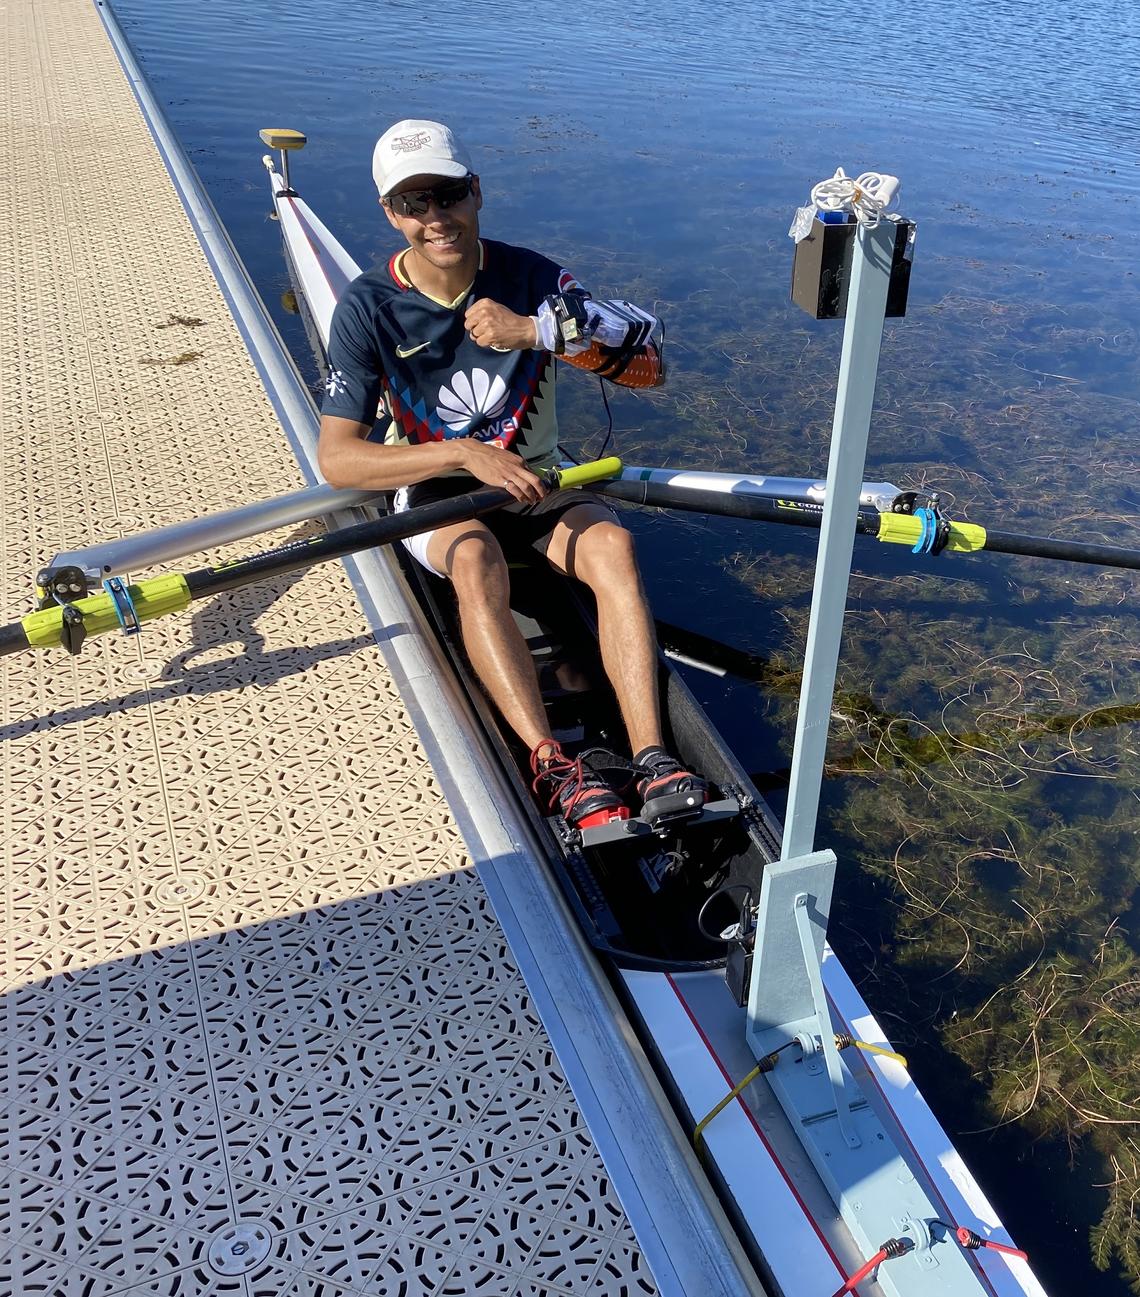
[410, 143]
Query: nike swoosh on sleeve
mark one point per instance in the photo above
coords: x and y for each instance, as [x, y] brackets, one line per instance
[405, 352]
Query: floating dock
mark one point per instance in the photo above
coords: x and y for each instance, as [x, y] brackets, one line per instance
[261, 1030]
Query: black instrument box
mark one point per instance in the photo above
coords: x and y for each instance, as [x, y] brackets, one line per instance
[821, 269]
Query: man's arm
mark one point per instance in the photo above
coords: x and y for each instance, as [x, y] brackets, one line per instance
[612, 339]
[348, 459]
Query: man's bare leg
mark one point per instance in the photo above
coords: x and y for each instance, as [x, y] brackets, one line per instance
[589, 545]
[471, 557]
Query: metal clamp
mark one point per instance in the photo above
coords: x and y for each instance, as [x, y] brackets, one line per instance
[60, 587]
[125, 610]
[935, 528]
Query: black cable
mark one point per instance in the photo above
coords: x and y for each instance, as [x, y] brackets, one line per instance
[609, 422]
[721, 891]
[606, 402]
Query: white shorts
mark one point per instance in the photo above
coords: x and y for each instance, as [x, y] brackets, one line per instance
[526, 525]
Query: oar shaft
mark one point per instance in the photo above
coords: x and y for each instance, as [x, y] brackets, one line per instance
[1075, 551]
[892, 528]
[346, 540]
[382, 531]
[757, 508]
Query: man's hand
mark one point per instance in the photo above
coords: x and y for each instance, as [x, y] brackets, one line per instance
[496, 467]
[492, 325]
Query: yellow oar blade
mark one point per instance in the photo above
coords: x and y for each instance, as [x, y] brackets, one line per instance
[281, 138]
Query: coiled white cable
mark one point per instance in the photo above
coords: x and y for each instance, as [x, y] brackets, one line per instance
[868, 196]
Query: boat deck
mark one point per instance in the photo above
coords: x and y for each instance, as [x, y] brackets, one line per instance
[261, 1032]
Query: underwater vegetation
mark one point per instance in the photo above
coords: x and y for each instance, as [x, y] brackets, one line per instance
[1001, 819]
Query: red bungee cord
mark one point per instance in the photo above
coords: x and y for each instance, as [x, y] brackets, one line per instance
[891, 1248]
[897, 1246]
[971, 1242]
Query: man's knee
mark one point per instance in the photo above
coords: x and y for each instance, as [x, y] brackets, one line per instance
[606, 556]
[476, 566]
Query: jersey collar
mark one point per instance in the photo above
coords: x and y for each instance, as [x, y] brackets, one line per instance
[399, 275]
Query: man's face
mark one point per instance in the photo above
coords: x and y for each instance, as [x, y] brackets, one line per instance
[446, 237]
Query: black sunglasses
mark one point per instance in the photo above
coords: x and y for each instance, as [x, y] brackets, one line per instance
[415, 202]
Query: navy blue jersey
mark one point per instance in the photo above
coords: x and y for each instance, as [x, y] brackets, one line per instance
[399, 355]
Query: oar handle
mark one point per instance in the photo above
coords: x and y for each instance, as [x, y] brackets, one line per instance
[584, 474]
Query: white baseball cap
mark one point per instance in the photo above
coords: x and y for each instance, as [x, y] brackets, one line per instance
[415, 148]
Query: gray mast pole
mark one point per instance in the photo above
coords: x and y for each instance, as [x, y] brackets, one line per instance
[844, 1136]
[858, 368]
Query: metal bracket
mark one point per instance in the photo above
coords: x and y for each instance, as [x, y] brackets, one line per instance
[60, 587]
[783, 1001]
[842, 1133]
[787, 999]
[125, 610]
[918, 1231]
[826, 1033]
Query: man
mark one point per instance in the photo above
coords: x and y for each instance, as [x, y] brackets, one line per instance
[452, 341]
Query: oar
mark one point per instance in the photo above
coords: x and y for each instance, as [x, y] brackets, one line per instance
[914, 530]
[127, 606]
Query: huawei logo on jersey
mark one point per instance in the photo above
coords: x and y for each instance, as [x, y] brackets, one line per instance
[472, 402]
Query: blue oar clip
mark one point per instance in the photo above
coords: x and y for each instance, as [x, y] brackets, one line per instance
[116, 587]
[935, 529]
[925, 542]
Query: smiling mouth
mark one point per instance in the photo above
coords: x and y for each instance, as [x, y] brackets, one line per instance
[443, 240]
